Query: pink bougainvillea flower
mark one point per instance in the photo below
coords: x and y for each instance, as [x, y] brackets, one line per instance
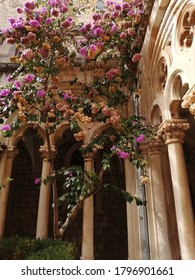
[27, 54]
[113, 148]
[63, 8]
[98, 31]
[54, 12]
[6, 127]
[113, 28]
[123, 154]
[31, 36]
[37, 181]
[83, 51]
[4, 92]
[49, 21]
[66, 96]
[34, 23]
[136, 57]
[19, 10]
[29, 78]
[18, 24]
[17, 84]
[29, 5]
[66, 23]
[41, 93]
[140, 138]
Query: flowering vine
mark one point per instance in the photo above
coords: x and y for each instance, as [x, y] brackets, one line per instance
[49, 41]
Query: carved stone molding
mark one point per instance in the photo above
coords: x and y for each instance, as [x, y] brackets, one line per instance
[45, 153]
[187, 30]
[172, 131]
[155, 147]
[11, 152]
[144, 147]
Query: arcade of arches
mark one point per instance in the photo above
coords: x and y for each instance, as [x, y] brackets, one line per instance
[112, 229]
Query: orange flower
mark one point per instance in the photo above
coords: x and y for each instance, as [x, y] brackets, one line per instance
[80, 135]
[56, 39]
[46, 46]
[29, 28]
[112, 89]
[60, 61]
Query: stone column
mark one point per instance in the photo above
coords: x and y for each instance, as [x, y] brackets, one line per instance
[44, 198]
[150, 206]
[133, 230]
[173, 132]
[163, 249]
[7, 170]
[87, 251]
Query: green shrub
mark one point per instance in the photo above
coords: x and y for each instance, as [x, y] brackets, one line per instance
[63, 251]
[18, 248]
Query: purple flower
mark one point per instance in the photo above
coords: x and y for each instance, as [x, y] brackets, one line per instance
[34, 23]
[113, 28]
[18, 24]
[115, 14]
[37, 181]
[83, 51]
[19, 10]
[66, 96]
[98, 31]
[140, 138]
[42, 11]
[54, 12]
[31, 36]
[41, 93]
[113, 148]
[5, 127]
[70, 173]
[123, 155]
[63, 8]
[93, 47]
[29, 78]
[96, 17]
[17, 84]
[5, 31]
[4, 92]
[11, 21]
[9, 78]
[106, 15]
[125, 6]
[29, 5]
[48, 21]
[117, 7]
[66, 23]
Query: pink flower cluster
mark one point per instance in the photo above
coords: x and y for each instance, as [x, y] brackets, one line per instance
[5, 92]
[120, 153]
[140, 138]
[27, 54]
[6, 127]
[113, 73]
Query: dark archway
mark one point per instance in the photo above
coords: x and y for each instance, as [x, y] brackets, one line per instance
[24, 195]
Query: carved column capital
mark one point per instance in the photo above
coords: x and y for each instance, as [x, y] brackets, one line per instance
[173, 131]
[144, 147]
[155, 147]
[11, 152]
[45, 153]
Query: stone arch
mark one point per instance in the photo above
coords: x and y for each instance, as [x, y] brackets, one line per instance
[178, 86]
[24, 195]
